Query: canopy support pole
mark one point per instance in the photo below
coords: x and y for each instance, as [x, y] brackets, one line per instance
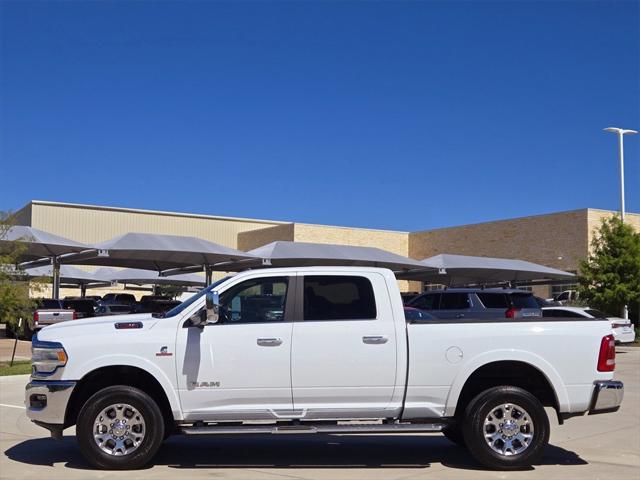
[208, 275]
[55, 263]
[83, 290]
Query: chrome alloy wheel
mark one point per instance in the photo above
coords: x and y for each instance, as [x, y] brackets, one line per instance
[508, 429]
[119, 429]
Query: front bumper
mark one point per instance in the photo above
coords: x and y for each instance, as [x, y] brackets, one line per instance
[46, 403]
[607, 396]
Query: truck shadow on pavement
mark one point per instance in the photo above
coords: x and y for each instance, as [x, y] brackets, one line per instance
[286, 451]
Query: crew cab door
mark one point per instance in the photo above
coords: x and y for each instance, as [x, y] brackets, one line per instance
[343, 361]
[239, 368]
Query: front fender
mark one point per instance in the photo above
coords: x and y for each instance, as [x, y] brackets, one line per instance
[132, 361]
[524, 356]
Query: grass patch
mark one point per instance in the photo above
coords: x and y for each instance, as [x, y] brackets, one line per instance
[21, 367]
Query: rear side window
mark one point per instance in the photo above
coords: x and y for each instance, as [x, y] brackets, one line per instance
[429, 301]
[523, 300]
[454, 301]
[338, 298]
[493, 300]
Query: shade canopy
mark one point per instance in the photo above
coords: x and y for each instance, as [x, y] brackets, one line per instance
[301, 254]
[68, 274]
[39, 244]
[148, 277]
[154, 252]
[466, 270]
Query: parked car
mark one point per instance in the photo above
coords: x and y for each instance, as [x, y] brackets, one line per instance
[330, 349]
[150, 298]
[478, 303]
[408, 296]
[623, 331]
[83, 307]
[50, 311]
[95, 298]
[545, 302]
[415, 314]
[155, 306]
[113, 309]
[566, 296]
[118, 299]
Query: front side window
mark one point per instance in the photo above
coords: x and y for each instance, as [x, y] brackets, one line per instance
[255, 301]
[333, 297]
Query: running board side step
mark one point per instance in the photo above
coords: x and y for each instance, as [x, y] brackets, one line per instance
[302, 429]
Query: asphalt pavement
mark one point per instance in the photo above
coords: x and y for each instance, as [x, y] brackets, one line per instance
[590, 447]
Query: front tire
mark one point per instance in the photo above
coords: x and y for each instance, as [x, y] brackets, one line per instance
[119, 428]
[506, 428]
[454, 434]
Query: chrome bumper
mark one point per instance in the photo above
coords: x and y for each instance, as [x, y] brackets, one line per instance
[46, 402]
[607, 396]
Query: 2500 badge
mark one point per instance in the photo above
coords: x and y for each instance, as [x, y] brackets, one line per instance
[204, 384]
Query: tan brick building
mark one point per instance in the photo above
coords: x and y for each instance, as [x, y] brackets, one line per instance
[558, 240]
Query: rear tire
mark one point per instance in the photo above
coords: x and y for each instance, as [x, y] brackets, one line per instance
[119, 428]
[506, 428]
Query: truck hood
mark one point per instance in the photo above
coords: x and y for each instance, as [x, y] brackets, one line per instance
[100, 324]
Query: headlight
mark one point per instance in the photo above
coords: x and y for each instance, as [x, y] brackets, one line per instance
[46, 357]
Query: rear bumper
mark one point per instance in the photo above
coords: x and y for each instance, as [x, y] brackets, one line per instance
[624, 335]
[46, 403]
[607, 396]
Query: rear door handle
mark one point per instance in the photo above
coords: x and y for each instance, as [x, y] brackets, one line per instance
[375, 339]
[460, 315]
[269, 342]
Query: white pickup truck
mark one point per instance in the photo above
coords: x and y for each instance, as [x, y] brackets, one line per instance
[316, 350]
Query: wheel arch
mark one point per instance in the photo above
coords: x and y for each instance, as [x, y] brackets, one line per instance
[523, 369]
[111, 375]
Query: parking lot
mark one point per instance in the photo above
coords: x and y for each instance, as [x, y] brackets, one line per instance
[601, 446]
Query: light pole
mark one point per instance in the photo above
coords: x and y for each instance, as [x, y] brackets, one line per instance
[621, 133]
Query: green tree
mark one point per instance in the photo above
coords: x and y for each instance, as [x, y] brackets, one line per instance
[14, 284]
[610, 277]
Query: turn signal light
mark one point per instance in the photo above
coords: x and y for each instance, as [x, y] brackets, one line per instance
[607, 356]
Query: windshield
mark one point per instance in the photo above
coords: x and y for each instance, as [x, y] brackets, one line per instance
[179, 308]
[595, 313]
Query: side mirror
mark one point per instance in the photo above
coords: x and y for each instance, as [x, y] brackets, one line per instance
[213, 307]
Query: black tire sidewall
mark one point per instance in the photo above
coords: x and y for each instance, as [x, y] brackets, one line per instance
[454, 434]
[473, 427]
[154, 425]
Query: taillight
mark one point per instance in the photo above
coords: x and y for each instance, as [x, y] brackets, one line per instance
[607, 356]
[511, 313]
[36, 317]
[74, 315]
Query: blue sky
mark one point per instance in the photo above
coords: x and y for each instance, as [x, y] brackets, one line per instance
[394, 115]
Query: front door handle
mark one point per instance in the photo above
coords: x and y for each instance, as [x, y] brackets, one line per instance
[269, 342]
[375, 339]
[460, 315]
